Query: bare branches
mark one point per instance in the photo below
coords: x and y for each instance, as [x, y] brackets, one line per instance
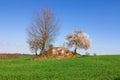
[43, 30]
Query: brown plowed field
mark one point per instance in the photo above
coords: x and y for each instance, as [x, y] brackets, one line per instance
[9, 56]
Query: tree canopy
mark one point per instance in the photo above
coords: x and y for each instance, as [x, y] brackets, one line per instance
[78, 39]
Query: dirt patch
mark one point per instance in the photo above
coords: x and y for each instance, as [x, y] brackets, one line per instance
[2, 56]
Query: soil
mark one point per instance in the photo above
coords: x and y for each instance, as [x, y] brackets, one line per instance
[8, 56]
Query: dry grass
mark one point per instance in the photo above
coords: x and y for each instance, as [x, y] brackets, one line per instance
[47, 56]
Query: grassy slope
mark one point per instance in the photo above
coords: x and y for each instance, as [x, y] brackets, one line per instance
[81, 68]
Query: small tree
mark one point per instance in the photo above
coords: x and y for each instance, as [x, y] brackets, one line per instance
[42, 31]
[78, 39]
[50, 46]
[34, 45]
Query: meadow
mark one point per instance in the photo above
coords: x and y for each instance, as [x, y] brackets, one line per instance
[79, 68]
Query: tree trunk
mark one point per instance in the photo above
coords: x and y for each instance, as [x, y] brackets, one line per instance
[42, 49]
[75, 50]
[35, 52]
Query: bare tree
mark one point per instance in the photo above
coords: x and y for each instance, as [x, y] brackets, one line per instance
[34, 45]
[43, 30]
[78, 39]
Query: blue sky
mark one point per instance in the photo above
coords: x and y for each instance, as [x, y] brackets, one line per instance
[99, 18]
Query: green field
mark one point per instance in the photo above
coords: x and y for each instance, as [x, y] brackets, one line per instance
[79, 68]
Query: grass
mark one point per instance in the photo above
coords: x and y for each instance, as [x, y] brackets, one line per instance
[80, 68]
